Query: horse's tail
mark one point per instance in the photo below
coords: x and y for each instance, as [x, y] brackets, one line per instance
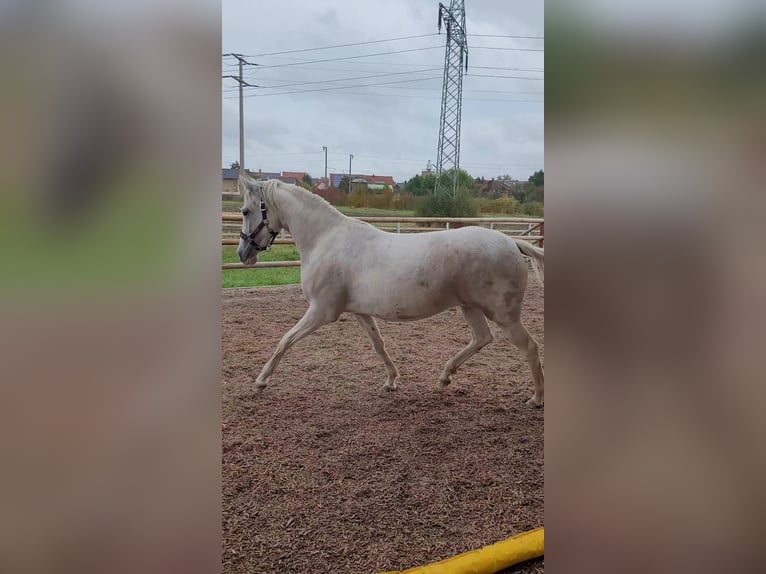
[537, 257]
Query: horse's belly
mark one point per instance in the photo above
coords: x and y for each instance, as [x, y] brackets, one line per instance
[403, 306]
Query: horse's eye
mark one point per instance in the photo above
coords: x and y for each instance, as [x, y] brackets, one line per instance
[245, 212]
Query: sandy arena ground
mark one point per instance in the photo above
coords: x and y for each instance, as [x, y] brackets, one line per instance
[323, 473]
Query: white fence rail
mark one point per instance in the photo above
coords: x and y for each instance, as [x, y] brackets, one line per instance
[528, 228]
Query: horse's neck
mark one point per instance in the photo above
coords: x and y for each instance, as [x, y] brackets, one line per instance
[305, 218]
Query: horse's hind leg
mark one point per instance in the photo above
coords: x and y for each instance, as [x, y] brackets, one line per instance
[482, 336]
[371, 328]
[526, 343]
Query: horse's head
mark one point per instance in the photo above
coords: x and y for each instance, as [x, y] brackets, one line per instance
[258, 229]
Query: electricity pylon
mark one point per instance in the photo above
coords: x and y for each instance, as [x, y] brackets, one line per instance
[455, 62]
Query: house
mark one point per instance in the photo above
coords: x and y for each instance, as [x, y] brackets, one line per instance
[494, 187]
[379, 182]
[298, 175]
[264, 174]
[230, 177]
[374, 182]
[336, 177]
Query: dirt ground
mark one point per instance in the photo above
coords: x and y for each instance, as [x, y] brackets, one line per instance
[323, 473]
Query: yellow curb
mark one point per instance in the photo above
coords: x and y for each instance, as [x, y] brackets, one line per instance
[490, 559]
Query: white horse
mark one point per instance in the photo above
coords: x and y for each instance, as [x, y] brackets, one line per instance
[350, 266]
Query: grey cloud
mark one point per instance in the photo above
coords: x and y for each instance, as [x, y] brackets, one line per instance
[399, 121]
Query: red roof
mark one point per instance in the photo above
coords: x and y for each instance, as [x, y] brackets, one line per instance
[296, 174]
[381, 179]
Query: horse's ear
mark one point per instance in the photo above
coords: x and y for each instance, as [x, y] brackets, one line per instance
[246, 182]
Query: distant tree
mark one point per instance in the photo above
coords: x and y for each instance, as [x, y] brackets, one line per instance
[388, 196]
[533, 208]
[343, 184]
[359, 196]
[307, 179]
[506, 205]
[421, 185]
[465, 182]
[534, 194]
[444, 205]
[234, 165]
[537, 178]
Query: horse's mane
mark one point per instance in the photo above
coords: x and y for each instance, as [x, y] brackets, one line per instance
[267, 188]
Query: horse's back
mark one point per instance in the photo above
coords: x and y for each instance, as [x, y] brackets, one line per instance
[412, 276]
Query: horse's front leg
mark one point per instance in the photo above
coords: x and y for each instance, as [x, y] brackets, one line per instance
[310, 322]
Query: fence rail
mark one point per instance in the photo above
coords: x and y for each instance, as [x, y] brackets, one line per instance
[407, 219]
[534, 225]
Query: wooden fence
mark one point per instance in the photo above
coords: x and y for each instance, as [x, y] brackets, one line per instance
[530, 229]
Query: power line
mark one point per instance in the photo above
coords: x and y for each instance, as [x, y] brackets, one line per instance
[340, 45]
[384, 40]
[496, 76]
[508, 36]
[352, 79]
[516, 92]
[304, 61]
[299, 81]
[265, 54]
[387, 85]
[335, 81]
[362, 156]
[323, 69]
[504, 77]
[509, 49]
[340, 87]
[414, 96]
[340, 58]
[473, 91]
[540, 70]
[274, 158]
[371, 158]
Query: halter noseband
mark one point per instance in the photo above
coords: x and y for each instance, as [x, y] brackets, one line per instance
[264, 223]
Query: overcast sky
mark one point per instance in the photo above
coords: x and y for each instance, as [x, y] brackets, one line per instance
[391, 128]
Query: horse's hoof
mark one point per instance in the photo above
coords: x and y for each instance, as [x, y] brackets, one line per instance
[259, 387]
[389, 388]
[444, 382]
[533, 402]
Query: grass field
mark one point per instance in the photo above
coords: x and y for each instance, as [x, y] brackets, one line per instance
[231, 205]
[372, 211]
[259, 277]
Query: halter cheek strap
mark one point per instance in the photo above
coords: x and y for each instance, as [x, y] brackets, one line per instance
[264, 223]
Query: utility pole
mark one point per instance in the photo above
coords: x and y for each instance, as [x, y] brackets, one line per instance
[350, 157]
[242, 83]
[327, 183]
[455, 57]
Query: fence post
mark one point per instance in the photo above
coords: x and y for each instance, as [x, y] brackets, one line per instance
[446, 226]
[398, 226]
[492, 225]
[542, 233]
